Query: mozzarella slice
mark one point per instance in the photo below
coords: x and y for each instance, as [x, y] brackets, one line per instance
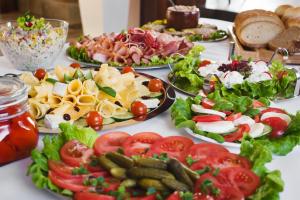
[199, 109]
[60, 89]
[52, 121]
[256, 130]
[219, 127]
[150, 103]
[285, 117]
[244, 119]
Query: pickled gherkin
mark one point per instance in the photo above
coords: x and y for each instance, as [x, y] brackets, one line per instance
[177, 169]
[145, 183]
[118, 172]
[140, 172]
[107, 163]
[175, 185]
[151, 162]
[120, 159]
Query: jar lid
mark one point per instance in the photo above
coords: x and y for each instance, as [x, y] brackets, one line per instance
[12, 91]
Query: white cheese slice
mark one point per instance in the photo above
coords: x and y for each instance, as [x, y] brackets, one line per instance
[219, 127]
[150, 103]
[244, 119]
[283, 116]
[256, 130]
[52, 121]
[60, 89]
[199, 109]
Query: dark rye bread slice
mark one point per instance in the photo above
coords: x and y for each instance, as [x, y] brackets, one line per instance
[287, 39]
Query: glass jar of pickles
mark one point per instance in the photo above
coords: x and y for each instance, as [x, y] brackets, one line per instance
[18, 131]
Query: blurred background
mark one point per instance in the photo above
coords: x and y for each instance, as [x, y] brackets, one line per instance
[97, 16]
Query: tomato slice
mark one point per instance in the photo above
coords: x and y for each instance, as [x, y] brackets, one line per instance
[225, 160]
[278, 125]
[243, 179]
[234, 116]
[74, 185]
[205, 150]
[65, 171]
[207, 103]
[174, 196]
[207, 118]
[271, 109]
[174, 146]
[92, 196]
[111, 141]
[149, 197]
[75, 154]
[237, 135]
[140, 143]
[219, 182]
[257, 104]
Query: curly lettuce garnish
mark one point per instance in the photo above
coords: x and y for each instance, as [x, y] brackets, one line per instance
[28, 22]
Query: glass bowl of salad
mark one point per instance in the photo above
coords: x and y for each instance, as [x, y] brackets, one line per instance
[30, 43]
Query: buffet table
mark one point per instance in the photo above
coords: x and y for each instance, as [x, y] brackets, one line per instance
[15, 184]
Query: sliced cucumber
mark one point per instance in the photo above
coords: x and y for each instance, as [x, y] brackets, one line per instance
[155, 95]
[81, 122]
[123, 117]
[107, 121]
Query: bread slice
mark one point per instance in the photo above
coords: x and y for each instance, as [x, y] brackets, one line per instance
[255, 28]
[281, 9]
[291, 13]
[287, 39]
[293, 22]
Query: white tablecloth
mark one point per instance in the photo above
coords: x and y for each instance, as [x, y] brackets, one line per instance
[15, 185]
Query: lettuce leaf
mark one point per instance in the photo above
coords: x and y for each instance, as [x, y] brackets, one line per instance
[38, 170]
[271, 183]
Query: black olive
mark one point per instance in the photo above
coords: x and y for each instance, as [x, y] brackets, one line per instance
[67, 117]
[29, 96]
[145, 83]
[76, 109]
[118, 103]
[50, 110]
[145, 97]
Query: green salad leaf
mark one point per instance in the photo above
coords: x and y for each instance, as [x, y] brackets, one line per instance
[39, 167]
[271, 183]
[80, 54]
[28, 22]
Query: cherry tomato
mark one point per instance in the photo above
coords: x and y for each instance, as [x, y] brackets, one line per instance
[155, 85]
[204, 63]
[65, 171]
[233, 116]
[207, 118]
[92, 196]
[278, 125]
[243, 179]
[205, 150]
[109, 142]
[138, 108]
[94, 120]
[40, 73]
[127, 69]
[75, 65]
[271, 109]
[75, 154]
[207, 103]
[174, 146]
[257, 104]
[237, 135]
[139, 143]
[75, 185]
